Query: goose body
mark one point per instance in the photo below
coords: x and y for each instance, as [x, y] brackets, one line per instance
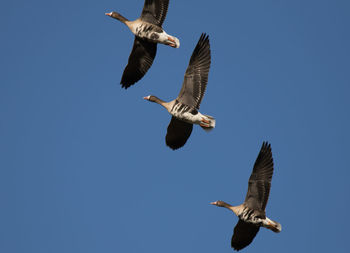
[185, 108]
[251, 214]
[148, 33]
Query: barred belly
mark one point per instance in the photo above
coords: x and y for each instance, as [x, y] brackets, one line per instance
[248, 215]
[186, 113]
[149, 32]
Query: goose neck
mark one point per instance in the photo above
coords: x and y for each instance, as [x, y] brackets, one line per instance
[119, 17]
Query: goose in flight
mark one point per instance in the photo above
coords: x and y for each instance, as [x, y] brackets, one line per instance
[184, 109]
[251, 213]
[148, 32]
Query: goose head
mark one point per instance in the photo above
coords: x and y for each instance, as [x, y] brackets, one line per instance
[151, 98]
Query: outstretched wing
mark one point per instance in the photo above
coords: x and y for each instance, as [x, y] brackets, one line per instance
[243, 234]
[140, 60]
[154, 11]
[196, 76]
[178, 133]
[260, 180]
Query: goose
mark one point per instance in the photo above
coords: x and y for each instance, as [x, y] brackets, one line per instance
[184, 109]
[148, 32]
[251, 213]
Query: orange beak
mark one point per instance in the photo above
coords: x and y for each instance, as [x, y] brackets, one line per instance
[108, 14]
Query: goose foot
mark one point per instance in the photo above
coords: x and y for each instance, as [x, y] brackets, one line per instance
[205, 121]
[172, 45]
[171, 39]
[270, 226]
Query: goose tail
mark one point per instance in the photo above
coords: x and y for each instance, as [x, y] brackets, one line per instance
[177, 42]
[273, 225]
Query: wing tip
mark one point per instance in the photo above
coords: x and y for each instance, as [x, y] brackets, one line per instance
[237, 246]
[201, 52]
[178, 133]
[126, 84]
[204, 39]
[204, 36]
[266, 146]
[175, 143]
[173, 147]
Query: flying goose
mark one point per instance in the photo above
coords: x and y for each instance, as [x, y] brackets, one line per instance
[184, 109]
[148, 32]
[251, 213]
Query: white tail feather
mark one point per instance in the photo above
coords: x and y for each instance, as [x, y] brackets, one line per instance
[177, 42]
[272, 225]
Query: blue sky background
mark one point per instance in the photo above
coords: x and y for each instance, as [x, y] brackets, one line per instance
[84, 166]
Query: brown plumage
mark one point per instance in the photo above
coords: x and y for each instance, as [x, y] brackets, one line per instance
[140, 60]
[154, 11]
[243, 234]
[251, 213]
[196, 76]
[184, 109]
[178, 133]
[148, 32]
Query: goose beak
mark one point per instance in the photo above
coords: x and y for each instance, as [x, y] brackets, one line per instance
[146, 98]
[213, 203]
[108, 14]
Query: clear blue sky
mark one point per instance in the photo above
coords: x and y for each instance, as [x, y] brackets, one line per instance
[84, 166]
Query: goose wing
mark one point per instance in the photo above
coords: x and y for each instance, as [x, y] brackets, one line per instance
[154, 11]
[243, 234]
[260, 180]
[196, 76]
[178, 133]
[140, 60]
